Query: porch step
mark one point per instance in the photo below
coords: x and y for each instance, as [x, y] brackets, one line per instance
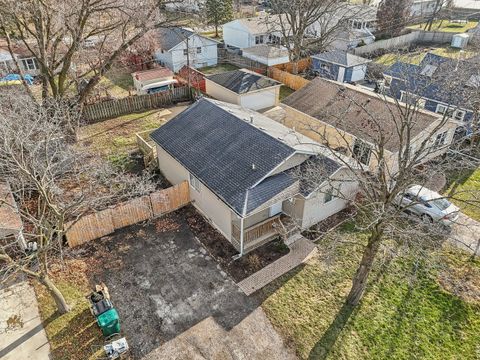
[300, 251]
[293, 237]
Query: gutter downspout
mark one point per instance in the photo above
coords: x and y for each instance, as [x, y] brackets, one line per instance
[242, 219]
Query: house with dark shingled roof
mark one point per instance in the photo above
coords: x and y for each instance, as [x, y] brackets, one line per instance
[248, 174]
[245, 88]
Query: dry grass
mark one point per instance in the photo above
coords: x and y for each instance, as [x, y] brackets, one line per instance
[74, 335]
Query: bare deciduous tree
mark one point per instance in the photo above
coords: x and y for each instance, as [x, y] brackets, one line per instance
[53, 182]
[74, 40]
[310, 25]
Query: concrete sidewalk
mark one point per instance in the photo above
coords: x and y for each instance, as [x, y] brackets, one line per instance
[466, 234]
[300, 251]
[21, 331]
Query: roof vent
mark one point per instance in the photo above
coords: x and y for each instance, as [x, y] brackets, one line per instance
[254, 167]
[251, 118]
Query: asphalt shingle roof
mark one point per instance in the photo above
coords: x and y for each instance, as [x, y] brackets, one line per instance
[356, 111]
[168, 38]
[437, 78]
[220, 148]
[341, 58]
[242, 81]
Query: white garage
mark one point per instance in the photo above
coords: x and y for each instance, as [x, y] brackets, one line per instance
[245, 88]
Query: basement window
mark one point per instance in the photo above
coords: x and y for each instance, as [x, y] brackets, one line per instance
[194, 183]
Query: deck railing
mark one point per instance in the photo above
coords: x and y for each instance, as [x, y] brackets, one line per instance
[256, 232]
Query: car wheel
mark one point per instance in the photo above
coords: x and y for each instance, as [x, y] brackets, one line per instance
[427, 219]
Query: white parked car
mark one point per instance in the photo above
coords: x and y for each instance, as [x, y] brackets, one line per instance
[429, 205]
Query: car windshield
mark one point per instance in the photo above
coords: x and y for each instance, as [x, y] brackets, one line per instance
[442, 204]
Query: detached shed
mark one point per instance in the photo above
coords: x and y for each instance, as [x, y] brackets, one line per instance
[245, 88]
[267, 54]
[11, 225]
[340, 66]
[154, 80]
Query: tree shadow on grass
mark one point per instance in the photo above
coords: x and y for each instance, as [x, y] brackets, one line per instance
[322, 348]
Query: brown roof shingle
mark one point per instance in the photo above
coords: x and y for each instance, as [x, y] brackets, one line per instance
[356, 111]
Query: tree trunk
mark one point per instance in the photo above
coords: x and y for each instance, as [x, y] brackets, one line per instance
[359, 282]
[216, 29]
[62, 305]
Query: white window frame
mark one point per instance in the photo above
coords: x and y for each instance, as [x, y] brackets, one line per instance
[29, 64]
[440, 139]
[194, 182]
[259, 39]
[450, 112]
[328, 196]
[388, 80]
[366, 147]
[199, 49]
[185, 52]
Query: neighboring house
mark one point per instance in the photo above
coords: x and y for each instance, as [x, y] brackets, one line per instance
[185, 5]
[340, 66]
[245, 172]
[26, 60]
[255, 31]
[423, 8]
[418, 8]
[177, 47]
[359, 23]
[267, 54]
[11, 225]
[341, 115]
[245, 88]
[152, 81]
[438, 84]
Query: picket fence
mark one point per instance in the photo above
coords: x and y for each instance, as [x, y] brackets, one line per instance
[109, 109]
[105, 222]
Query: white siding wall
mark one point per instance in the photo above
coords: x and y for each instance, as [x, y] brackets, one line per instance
[261, 99]
[234, 34]
[214, 209]
[164, 59]
[220, 93]
[175, 59]
[267, 61]
[315, 210]
[359, 72]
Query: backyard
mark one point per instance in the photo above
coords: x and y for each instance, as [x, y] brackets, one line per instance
[412, 309]
[447, 26]
[163, 283]
[416, 56]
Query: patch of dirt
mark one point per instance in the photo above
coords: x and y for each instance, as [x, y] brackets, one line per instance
[324, 226]
[222, 251]
[462, 280]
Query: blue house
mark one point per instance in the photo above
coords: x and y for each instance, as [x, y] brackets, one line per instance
[438, 84]
[340, 66]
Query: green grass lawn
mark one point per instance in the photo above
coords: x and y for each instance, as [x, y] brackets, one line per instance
[285, 91]
[417, 56]
[398, 318]
[75, 335]
[217, 69]
[447, 26]
[467, 188]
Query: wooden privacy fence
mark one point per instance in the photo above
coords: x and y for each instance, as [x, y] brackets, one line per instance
[298, 66]
[113, 108]
[197, 79]
[105, 222]
[294, 82]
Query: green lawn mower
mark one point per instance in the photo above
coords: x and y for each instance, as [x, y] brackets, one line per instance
[107, 319]
[103, 310]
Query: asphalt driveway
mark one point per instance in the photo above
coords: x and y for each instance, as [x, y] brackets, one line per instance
[163, 283]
